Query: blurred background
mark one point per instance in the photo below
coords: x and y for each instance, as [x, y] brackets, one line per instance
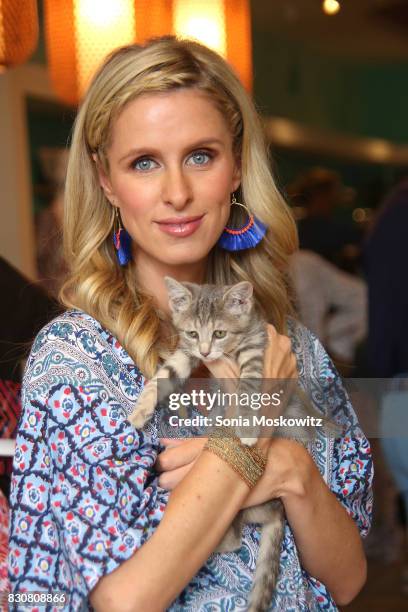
[330, 79]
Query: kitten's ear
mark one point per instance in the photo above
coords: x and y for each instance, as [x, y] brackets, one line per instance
[238, 298]
[179, 296]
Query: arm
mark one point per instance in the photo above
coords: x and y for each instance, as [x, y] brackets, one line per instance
[327, 538]
[92, 459]
[205, 502]
[325, 518]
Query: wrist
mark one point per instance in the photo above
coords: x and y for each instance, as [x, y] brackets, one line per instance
[304, 487]
[248, 462]
[301, 476]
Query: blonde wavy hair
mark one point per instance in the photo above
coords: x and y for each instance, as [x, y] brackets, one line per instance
[96, 283]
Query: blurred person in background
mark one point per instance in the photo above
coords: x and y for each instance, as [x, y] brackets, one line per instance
[24, 307]
[3, 543]
[385, 264]
[331, 303]
[320, 193]
[50, 261]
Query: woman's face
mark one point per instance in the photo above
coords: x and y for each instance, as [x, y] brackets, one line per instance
[171, 173]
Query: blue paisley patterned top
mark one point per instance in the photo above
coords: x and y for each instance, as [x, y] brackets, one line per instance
[84, 494]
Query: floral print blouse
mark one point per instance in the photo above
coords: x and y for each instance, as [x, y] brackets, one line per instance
[85, 496]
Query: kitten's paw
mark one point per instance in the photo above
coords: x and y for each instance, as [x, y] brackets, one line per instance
[144, 407]
[249, 441]
[137, 419]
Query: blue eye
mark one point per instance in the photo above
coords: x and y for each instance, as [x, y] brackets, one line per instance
[142, 164]
[200, 156]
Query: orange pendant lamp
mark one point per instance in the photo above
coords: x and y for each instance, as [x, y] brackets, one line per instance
[18, 31]
[80, 33]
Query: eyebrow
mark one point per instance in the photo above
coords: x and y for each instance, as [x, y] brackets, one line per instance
[152, 151]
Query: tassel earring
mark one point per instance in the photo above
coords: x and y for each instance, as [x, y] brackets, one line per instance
[122, 241]
[245, 237]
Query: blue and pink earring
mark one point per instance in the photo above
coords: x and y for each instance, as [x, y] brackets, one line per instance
[122, 241]
[245, 237]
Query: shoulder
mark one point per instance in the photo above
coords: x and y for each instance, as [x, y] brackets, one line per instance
[80, 331]
[74, 348]
[68, 323]
[63, 338]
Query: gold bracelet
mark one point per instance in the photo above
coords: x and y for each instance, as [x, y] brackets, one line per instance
[248, 462]
[227, 432]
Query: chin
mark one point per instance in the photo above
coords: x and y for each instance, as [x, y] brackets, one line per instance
[183, 256]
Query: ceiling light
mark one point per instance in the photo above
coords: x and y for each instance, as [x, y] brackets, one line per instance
[80, 33]
[331, 7]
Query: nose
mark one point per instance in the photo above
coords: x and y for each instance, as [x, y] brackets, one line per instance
[205, 349]
[177, 189]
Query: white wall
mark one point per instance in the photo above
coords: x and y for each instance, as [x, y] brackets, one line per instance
[16, 200]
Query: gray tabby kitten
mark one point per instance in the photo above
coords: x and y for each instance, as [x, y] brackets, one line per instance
[215, 321]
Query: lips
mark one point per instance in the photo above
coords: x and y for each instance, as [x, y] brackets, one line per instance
[180, 226]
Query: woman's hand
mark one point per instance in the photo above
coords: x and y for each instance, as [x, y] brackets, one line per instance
[180, 454]
[290, 469]
[279, 361]
[279, 375]
[177, 459]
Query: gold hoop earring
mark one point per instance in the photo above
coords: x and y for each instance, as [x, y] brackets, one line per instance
[245, 237]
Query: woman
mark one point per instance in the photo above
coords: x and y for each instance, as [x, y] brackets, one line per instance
[166, 134]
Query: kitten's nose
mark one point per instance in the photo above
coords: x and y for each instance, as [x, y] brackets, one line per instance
[205, 348]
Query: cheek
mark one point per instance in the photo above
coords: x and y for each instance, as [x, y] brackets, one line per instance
[216, 197]
[220, 186]
[134, 203]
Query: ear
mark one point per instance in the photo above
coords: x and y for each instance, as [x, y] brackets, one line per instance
[236, 176]
[238, 298]
[104, 180]
[180, 297]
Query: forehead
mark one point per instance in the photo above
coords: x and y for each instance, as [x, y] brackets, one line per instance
[179, 115]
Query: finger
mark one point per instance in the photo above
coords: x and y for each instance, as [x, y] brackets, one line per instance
[232, 365]
[169, 480]
[173, 458]
[172, 441]
[222, 368]
[272, 333]
[271, 349]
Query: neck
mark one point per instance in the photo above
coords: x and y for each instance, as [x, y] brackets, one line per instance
[150, 275]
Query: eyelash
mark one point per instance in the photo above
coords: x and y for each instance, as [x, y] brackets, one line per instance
[209, 154]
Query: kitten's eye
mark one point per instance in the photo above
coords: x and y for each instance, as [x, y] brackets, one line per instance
[219, 333]
[192, 334]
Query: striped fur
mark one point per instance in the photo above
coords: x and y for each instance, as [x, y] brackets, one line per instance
[203, 309]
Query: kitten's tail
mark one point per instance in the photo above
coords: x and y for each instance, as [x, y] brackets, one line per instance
[267, 566]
